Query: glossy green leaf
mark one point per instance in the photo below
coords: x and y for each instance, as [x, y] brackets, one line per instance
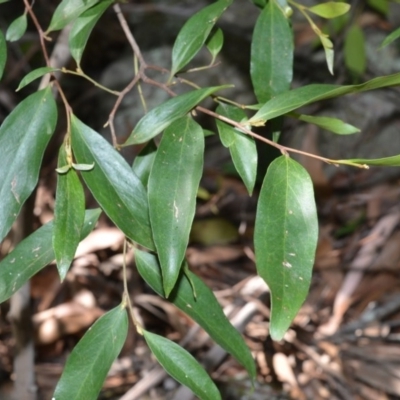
[194, 33]
[334, 125]
[182, 366]
[172, 189]
[330, 9]
[143, 162]
[285, 239]
[214, 44]
[289, 101]
[3, 53]
[204, 309]
[35, 74]
[33, 254]
[17, 28]
[67, 11]
[113, 184]
[241, 146]
[393, 161]
[160, 117]
[24, 136]
[354, 50]
[82, 28]
[391, 37]
[91, 359]
[271, 67]
[69, 214]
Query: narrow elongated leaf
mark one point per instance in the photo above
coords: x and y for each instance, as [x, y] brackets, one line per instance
[173, 184]
[354, 50]
[3, 53]
[91, 359]
[391, 37]
[69, 214]
[194, 33]
[242, 147]
[160, 117]
[330, 9]
[17, 28]
[113, 183]
[35, 74]
[289, 101]
[82, 28]
[204, 309]
[33, 254]
[328, 49]
[393, 161]
[143, 162]
[24, 135]
[285, 239]
[271, 67]
[182, 366]
[214, 44]
[67, 11]
[334, 125]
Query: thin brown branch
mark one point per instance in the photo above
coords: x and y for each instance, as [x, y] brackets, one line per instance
[111, 116]
[128, 34]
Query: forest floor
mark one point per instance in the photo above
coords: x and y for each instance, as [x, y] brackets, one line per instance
[343, 344]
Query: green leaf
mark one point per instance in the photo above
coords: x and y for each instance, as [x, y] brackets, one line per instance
[113, 184]
[241, 146]
[381, 6]
[214, 44]
[33, 254]
[334, 125]
[17, 28]
[64, 169]
[67, 11]
[393, 161]
[143, 162]
[271, 67]
[160, 117]
[3, 53]
[173, 184]
[182, 366]
[204, 309]
[285, 239]
[35, 74]
[69, 215]
[24, 136]
[194, 33]
[91, 359]
[260, 3]
[354, 50]
[82, 28]
[82, 167]
[329, 52]
[330, 9]
[391, 37]
[289, 101]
